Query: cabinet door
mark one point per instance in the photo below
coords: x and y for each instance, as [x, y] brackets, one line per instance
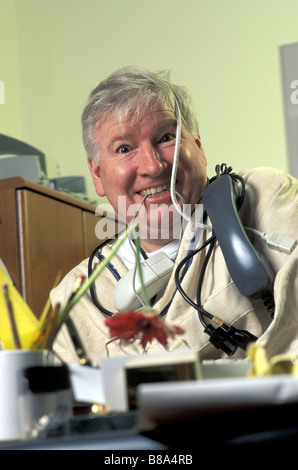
[98, 228]
[9, 246]
[51, 241]
[91, 240]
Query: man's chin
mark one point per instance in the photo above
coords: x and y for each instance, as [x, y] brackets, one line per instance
[160, 222]
[160, 229]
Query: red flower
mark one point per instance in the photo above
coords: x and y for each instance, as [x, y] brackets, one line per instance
[146, 326]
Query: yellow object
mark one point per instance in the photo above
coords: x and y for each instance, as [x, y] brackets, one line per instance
[263, 366]
[26, 321]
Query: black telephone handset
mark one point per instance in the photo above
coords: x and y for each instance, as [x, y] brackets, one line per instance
[252, 274]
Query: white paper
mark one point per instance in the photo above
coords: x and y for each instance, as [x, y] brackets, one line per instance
[87, 384]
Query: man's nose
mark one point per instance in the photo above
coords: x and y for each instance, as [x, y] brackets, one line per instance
[150, 162]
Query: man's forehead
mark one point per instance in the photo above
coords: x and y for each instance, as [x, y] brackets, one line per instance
[117, 122]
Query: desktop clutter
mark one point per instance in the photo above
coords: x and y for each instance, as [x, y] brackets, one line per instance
[39, 393]
[36, 391]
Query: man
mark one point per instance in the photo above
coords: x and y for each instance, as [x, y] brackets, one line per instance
[131, 126]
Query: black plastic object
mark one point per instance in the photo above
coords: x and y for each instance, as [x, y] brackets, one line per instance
[229, 339]
[45, 379]
[251, 273]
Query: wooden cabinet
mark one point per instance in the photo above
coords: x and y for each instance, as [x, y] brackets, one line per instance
[42, 232]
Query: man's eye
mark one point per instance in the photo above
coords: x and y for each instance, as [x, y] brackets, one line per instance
[123, 149]
[168, 137]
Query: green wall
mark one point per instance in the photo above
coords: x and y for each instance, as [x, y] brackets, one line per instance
[10, 118]
[53, 52]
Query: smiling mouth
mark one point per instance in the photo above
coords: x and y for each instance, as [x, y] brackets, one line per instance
[153, 191]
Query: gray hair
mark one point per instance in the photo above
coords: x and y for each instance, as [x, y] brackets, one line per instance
[131, 89]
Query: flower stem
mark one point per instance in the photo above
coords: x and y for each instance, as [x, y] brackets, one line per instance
[146, 306]
[92, 277]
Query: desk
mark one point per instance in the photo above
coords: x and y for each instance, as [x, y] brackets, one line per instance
[111, 432]
[42, 231]
[272, 430]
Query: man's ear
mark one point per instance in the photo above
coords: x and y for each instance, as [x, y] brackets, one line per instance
[198, 141]
[95, 173]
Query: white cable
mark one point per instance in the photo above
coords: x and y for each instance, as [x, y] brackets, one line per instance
[174, 174]
[275, 240]
[133, 248]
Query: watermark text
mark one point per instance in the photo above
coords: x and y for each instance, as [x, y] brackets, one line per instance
[159, 222]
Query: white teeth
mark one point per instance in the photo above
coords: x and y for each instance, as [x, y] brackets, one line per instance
[158, 189]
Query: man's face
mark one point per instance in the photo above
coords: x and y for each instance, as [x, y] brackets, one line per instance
[136, 160]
